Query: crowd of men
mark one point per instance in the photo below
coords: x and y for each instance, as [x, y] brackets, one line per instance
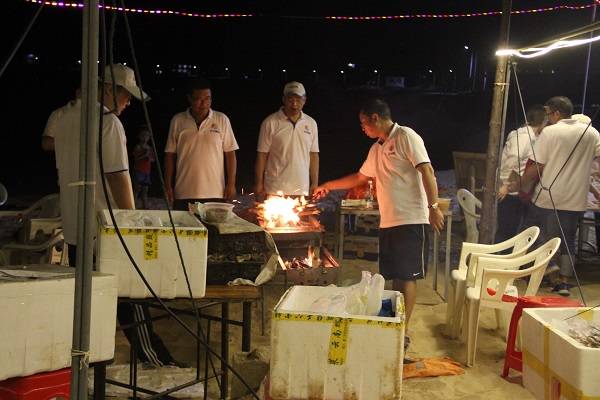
[201, 165]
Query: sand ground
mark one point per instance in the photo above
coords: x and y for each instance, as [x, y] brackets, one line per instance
[483, 381]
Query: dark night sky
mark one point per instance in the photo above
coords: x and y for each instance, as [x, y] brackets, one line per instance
[287, 35]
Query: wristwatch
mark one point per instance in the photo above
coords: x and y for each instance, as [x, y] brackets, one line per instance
[433, 206]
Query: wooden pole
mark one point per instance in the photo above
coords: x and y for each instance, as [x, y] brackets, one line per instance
[488, 213]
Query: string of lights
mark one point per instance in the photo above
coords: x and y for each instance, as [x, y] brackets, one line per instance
[332, 17]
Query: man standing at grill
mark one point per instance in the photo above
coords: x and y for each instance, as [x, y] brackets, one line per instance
[407, 195]
[116, 93]
[287, 157]
[563, 155]
[200, 141]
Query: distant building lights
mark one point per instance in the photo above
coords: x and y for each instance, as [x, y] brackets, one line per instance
[466, 47]
[375, 71]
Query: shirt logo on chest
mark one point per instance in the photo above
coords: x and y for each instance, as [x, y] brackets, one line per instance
[390, 151]
[307, 130]
[214, 129]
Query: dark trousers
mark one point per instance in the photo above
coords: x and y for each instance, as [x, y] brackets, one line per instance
[511, 212]
[549, 228]
[148, 346]
[182, 204]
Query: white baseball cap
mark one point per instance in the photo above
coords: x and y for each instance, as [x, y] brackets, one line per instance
[125, 77]
[294, 88]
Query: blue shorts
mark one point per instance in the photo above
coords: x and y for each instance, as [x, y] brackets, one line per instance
[141, 178]
[404, 252]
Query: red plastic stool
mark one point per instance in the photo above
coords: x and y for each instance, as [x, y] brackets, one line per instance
[513, 358]
[42, 386]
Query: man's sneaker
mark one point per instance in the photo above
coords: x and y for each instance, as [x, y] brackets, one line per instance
[176, 364]
[551, 269]
[562, 289]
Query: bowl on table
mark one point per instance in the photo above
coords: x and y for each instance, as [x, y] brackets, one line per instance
[217, 212]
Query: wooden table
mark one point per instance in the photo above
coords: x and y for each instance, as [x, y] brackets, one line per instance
[342, 212]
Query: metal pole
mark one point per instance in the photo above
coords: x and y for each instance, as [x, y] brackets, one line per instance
[86, 194]
[587, 64]
[488, 212]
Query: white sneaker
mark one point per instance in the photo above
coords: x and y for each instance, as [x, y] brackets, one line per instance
[551, 268]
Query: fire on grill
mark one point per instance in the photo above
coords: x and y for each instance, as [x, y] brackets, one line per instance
[280, 213]
[298, 234]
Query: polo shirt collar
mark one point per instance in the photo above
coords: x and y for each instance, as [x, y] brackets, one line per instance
[189, 115]
[285, 117]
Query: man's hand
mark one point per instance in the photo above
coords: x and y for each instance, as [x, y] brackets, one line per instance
[170, 195]
[436, 219]
[502, 192]
[311, 190]
[230, 192]
[259, 192]
[320, 192]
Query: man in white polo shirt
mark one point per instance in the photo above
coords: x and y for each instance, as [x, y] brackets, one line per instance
[200, 141]
[407, 195]
[117, 90]
[287, 158]
[564, 153]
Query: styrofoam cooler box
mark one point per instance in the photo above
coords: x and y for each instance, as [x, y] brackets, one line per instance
[155, 252]
[36, 319]
[556, 366]
[318, 356]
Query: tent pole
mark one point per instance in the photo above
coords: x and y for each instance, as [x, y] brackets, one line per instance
[86, 194]
[587, 64]
[489, 209]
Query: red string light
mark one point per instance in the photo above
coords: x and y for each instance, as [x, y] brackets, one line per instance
[339, 18]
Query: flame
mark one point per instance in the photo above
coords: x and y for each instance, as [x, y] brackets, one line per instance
[278, 211]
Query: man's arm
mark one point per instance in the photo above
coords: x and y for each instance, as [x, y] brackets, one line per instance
[347, 182]
[121, 190]
[314, 171]
[259, 172]
[169, 170]
[47, 143]
[231, 168]
[436, 218]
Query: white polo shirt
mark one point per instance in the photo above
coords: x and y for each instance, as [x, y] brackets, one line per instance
[199, 150]
[289, 146]
[50, 129]
[66, 147]
[517, 151]
[552, 149]
[400, 192]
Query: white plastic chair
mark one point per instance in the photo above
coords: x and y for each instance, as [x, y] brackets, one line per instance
[469, 205]
[464, 275]
[495, 279]
[35, 253]
[42, 217]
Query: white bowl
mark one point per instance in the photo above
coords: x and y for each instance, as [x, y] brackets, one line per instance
[217, 212]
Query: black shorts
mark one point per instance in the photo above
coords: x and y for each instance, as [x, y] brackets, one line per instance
[403, 252]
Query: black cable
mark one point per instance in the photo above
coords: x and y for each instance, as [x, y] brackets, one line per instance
[549, 189]
[118, 232]
[20, 41]
[160, 174]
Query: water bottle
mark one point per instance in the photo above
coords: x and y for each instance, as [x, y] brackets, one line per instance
[369, 195]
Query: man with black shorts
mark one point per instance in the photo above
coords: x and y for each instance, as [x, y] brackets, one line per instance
[407, 195]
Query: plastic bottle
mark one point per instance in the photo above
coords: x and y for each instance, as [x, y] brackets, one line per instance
[369, 194]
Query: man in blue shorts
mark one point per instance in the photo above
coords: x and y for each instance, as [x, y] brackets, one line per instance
[407, 195]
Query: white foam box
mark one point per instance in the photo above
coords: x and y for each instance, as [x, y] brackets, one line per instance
[556, 366]
[319, 356]
[36, 319]
[155, 252]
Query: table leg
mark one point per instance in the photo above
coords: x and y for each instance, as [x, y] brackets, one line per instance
[246, 325]
[224, 348]
[100, 380]
[436, 246]
[448, 252]
[340, 241]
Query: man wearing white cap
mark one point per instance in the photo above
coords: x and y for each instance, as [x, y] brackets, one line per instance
[116, 95]
[288, 148]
